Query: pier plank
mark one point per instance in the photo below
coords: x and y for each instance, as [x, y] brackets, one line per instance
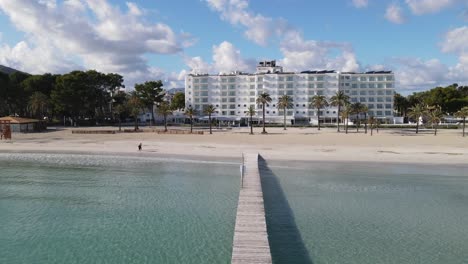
[250, 242]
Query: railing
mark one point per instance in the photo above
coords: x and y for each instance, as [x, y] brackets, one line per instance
[242, 172]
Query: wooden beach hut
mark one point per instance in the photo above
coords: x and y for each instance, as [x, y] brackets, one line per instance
[24, 125]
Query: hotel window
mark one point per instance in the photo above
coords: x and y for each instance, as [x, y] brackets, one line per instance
[380, 78]
[260, 86]
[232, 87]
[363, 79]
[388, 113]
[197, 100]
[380, 85]
[354, 100]
[311, 85]
[232, 113]
[291, 92]
[371, 113]
[196, 93]
[380, 99]
[320, 78]
[224, 100]
[353, 92]
[354, 78]
[232, 100]
[388, 99]
[289, 79]
[371, 92]
[371, 79]
[379, 113]
[252, 93]
[224, 107]
[233, 106]
[389, 85]
[319, 92]
[389, 78]
[252, 79]
[223, 87]
[362, 99]
[371, 85]
[380, 92]
[204, 80]
[311, 78]
[362, 92]
[223, 80]
[196, 80]
[319, 85]
[205, 93]
[252, 86]
[363, 85]
[232, 93]
[260, 79]
[371, 99]
[232, 79]
[388, 106]
[252, 100]
[289, 86]
[370, 106]
[354, 85]
[280, 79]
[379, 106]
[204, 100]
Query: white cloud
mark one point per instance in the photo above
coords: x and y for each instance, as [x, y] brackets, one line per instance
[360, 3]
[226, 58]
[92, 32]
[456, 41]
[299, 53]
[420, 7]
[394, 14]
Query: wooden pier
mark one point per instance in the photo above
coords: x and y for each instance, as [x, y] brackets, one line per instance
[250, 243]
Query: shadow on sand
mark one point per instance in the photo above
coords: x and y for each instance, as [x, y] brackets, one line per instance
[286, 243]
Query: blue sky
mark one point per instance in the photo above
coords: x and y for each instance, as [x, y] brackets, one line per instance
[424, 41]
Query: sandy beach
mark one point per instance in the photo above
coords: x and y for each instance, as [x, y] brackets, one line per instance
[305, 144]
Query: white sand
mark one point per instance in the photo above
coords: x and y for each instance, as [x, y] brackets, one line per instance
[395, 145]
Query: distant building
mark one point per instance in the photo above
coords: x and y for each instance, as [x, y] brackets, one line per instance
[24, 125]
[233, 93]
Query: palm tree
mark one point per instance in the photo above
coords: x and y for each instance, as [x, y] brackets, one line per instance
[463, 113]
[135, 105]
[339, 99]
[164, 109]
[416, 112]
[263, 99]
[357, 109]
[434, 115]
[372, 124]
[346, 111]
[37, 104]
[285, 102]
[318, 102]
[118, 110]
[190, 112]
[251, 112]
[209, 110]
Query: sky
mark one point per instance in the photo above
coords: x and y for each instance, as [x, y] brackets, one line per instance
[425, 42]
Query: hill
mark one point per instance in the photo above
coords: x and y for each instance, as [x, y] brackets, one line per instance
[7, 70]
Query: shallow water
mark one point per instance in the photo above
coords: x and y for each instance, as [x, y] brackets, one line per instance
[360, 213]
[58, 208]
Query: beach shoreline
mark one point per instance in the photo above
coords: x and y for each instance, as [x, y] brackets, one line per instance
[302, 144]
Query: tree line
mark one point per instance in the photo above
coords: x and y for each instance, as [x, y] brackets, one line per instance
[86, 97]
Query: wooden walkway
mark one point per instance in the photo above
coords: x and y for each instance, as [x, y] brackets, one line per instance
[250, 235]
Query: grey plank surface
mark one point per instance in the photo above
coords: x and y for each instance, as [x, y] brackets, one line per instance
[250, 243]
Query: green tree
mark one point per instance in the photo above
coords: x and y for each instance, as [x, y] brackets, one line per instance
[150, 93]
[209, 110]
[434, 115]
[190, 112]
[463, 113]
[338, 100]
[415, 112]
[373, 123]
[357, 109]
[119, 105]
[37, 105]
[285, 102]
[400, 104]
[346, 111]
[251, 112]
[135, 105]
[4, 85]
[178, 101]
[16, 95]
[263, 99]
[164, 109]
[318, 102]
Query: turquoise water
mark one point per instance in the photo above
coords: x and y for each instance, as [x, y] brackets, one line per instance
[109, 209]
[366, 213]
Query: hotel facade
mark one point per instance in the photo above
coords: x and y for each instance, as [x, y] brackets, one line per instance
[232, 94]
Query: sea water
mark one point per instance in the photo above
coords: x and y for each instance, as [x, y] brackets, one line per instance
[319, 212]
[63, 208]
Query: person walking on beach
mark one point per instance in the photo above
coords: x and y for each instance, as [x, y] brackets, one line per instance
[139, 147]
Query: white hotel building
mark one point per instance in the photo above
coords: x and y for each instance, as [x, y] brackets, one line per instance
[232, 94]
